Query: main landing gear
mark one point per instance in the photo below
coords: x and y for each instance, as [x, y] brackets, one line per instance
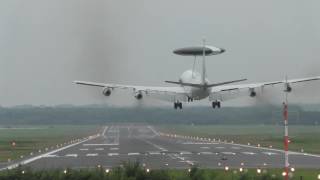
[216, 104]
[177, 105]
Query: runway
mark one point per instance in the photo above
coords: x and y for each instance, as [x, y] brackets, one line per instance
[153, 149]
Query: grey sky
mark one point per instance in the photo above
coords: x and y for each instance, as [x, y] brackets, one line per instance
[46, 44]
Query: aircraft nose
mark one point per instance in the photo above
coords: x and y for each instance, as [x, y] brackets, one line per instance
[222, 50]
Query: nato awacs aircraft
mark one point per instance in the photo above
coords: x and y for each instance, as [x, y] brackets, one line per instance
[195, 86]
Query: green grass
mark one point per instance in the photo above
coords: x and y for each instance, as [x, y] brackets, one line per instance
[132, 171]
[302, 137]
[32, 138]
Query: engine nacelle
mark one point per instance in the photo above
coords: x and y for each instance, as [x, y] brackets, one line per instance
[106, 91]
[287, 87]
[138, 95]
[253, 93]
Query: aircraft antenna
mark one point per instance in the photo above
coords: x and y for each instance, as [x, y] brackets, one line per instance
[286, 133]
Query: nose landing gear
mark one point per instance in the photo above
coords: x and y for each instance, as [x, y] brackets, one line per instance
[177, 105]
[216, 104]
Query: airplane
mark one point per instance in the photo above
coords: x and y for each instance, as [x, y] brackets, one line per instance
[195, 86]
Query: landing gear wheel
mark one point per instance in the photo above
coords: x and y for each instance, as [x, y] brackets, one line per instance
[177, 105]
[213, 104]
[216, 104]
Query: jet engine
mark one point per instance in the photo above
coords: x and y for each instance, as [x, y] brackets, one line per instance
[252, 92]
[138, 95]
[287, 87]
[106, 91]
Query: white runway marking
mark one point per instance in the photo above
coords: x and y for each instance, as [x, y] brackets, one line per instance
[204, 147]
[270, 153]
[249, 153]
[200, 143]
[99, 149]
[185, 152]
[156, 146]
[71, 155]
[83, 149]
[91, 155]
[154, 153]
[133, 154]
[114, 149]
[104, 132]
[100, 144]
[219, 147]
[27, 161]
[51, 155]
[228, 153]
[113, 154]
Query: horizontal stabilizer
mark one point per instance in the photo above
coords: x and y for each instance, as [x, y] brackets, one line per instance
[227, 82]
[205, 85]
[185, 84]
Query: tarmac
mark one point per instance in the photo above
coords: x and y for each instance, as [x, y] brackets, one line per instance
[155, 150]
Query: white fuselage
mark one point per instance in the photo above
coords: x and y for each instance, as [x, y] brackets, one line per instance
[194, 77]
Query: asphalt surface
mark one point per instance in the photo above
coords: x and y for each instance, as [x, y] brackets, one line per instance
[118, 144]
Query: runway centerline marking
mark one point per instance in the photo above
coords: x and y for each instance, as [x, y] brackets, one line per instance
[133, 154]
[228, 153]
[248, 153]
[154, 153]
[92, 154]
[205, 147]
[113, 154]
[84, 149]
[114, 149]
[220, 147]
[99, 149]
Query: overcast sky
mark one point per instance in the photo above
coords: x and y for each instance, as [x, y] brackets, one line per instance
[46, 44]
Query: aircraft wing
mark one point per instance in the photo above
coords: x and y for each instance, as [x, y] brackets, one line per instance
[216, 91]
[145, 89]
